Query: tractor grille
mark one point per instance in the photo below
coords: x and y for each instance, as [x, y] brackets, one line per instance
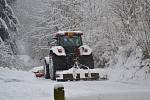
[70, 50]
[71, 54]
[70, 60]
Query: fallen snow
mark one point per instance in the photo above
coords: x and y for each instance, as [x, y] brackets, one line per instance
[56, 86]
[3, 24]
[21, 85]
[47, 59]
[37, 69]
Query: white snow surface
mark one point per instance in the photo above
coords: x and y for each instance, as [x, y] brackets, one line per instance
[36, 69]
[63, 32]
[56, 86]
[22, 85]
[3, 24]
[47, 59]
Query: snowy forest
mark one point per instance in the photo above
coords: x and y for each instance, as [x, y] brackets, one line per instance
[116, 46]
[117, 30]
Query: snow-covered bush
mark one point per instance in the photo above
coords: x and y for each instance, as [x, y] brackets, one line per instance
[7, 59]
[10, 23]
[102, 52]
[134, 17]
[10, 1]
[147, 66]
[8, 34]
[127, 64]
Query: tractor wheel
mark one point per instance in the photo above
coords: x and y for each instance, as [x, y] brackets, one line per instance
[47, 75]
[87, 60]
[58, 64]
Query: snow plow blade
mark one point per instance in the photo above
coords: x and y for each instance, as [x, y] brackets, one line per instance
[80, 74]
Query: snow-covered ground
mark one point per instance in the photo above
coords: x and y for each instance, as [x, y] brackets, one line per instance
[21, 85]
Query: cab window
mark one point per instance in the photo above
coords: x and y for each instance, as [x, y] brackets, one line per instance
[70, 41]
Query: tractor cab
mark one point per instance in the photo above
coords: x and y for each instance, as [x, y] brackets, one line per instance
[70, 41]
[67, 50]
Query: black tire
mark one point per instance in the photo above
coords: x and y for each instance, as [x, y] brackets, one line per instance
[87, 60]
[47, 75]
[58, 64]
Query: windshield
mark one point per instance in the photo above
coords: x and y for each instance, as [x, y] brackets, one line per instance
[70, 41]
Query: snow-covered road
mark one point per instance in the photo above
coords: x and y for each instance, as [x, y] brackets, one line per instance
[21, 85]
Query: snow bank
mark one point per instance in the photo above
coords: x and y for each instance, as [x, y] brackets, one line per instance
[8, 75]
[127, 65]
[37, 69]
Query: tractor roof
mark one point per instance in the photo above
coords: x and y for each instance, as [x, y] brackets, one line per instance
[68, 33]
